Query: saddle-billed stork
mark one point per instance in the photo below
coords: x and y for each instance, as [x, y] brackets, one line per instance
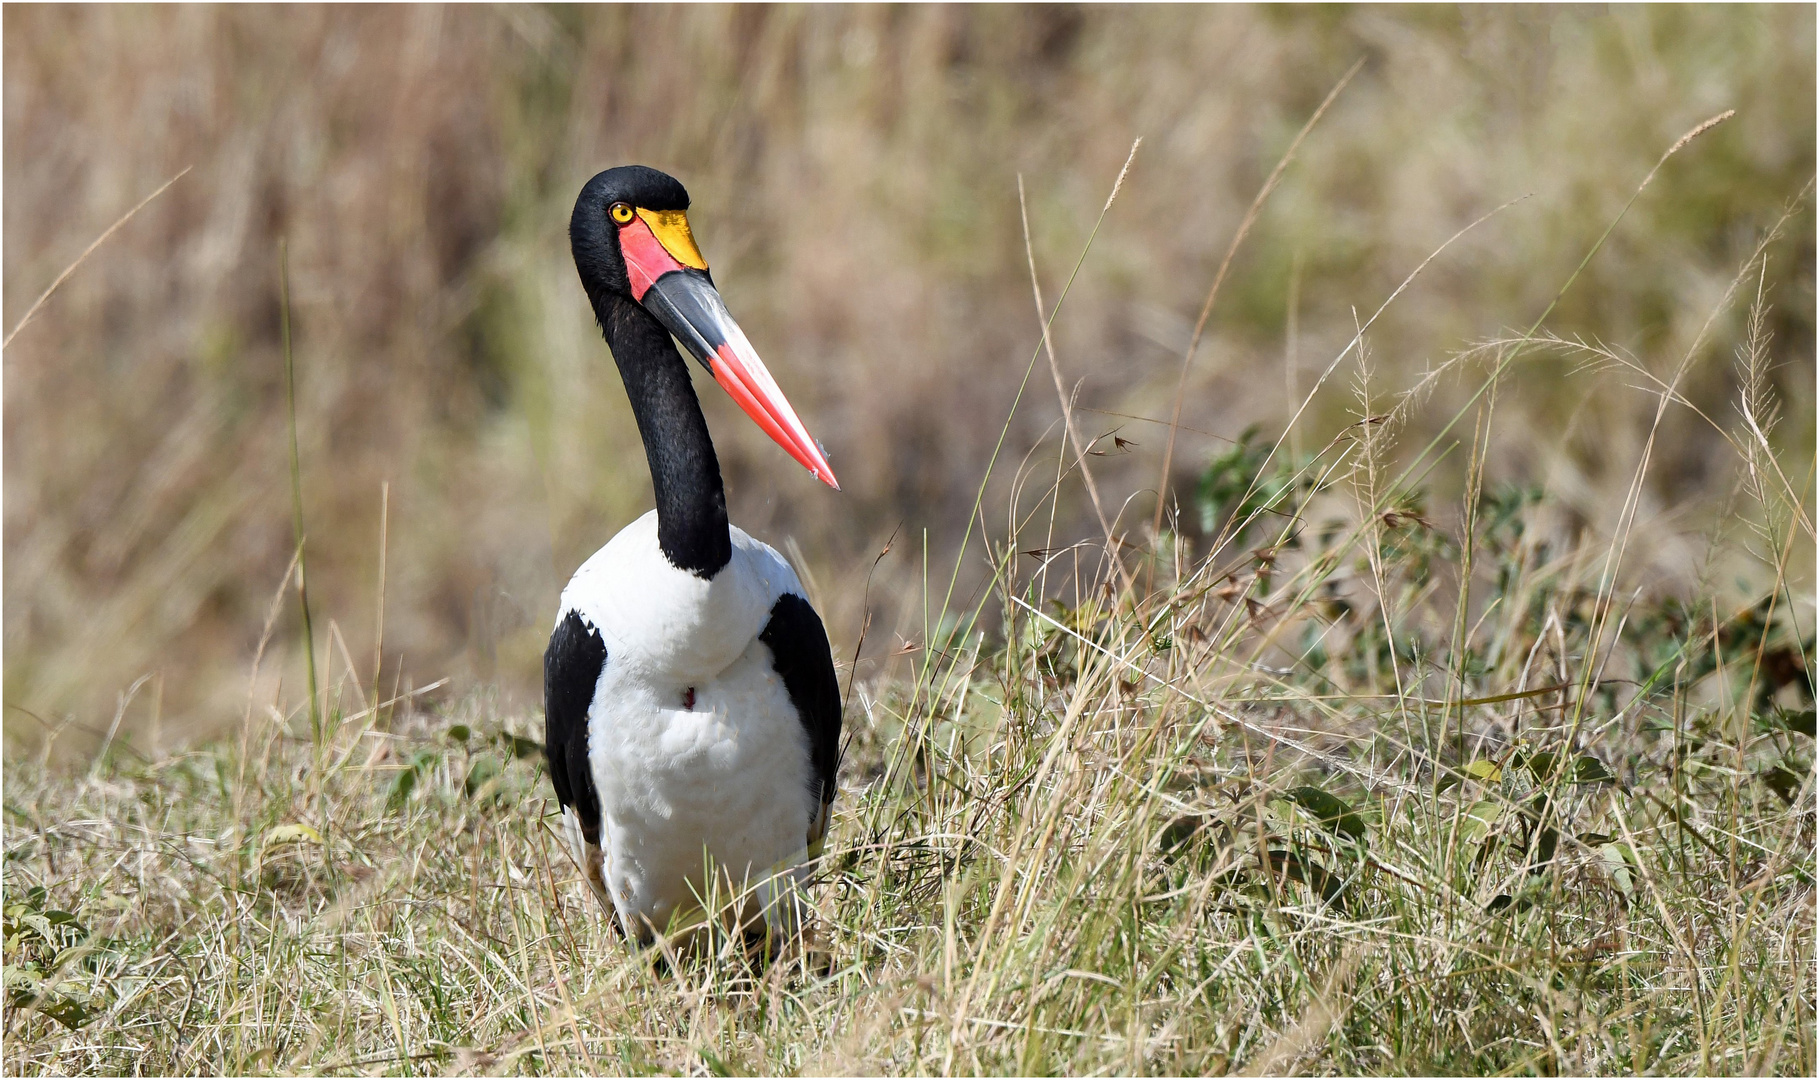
[691, 710]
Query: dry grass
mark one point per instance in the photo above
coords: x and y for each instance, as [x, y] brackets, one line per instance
[1357, 795]
[1462, 724]
[854, 172]
[1352, 792]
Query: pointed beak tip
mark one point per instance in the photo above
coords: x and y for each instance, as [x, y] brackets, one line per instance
[822, 470]
[817, 467]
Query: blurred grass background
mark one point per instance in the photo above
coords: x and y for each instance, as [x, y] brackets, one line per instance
[854, 176]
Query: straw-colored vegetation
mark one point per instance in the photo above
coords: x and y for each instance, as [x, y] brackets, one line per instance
[1456, 718]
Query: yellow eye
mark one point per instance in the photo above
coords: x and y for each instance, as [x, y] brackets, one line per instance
[622, 213]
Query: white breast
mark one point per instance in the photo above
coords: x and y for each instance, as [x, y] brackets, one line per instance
[728, 777]
[666, 621]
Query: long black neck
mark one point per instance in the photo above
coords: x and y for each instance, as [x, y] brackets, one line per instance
[685, 474]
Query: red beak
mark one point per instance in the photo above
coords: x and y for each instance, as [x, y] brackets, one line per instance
[685, 301]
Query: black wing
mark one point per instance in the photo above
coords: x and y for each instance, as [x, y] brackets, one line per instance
[798, 645]
[571, 669]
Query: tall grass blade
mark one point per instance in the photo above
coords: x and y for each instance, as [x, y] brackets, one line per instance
[290, 404]
[86, 252]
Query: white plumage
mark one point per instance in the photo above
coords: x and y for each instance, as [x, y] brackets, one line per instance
[694, 746]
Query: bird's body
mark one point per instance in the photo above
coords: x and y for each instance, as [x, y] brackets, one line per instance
[695, 747]
[692, 714]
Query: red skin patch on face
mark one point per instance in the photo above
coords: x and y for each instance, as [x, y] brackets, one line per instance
[646, 259]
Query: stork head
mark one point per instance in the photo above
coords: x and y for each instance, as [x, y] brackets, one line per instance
[631, 240]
